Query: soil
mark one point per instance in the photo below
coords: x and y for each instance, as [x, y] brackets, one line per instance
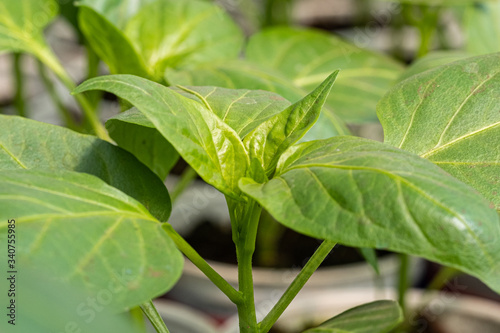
[214, 242]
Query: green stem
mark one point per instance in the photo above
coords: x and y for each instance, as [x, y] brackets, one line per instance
[442, 277]
[437, 283]
[297, 284]
[277, 12]
[150, 311]
[47, 57]
[268, 237]
[202, 265]
[403, 280]
[19, 96]
[427, 27]
[49, 86]
[188, 175]
[245, 222]
[93, 71]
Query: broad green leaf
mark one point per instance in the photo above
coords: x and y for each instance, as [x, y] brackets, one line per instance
[450, 116]
[89, 234]
[50, 306]
[22, 23]
[210, 146]
[432, 60]
[307, 57]
[482, 27]
[36, 145]
[242, 109]
[173, 33]
[363, 193]
[132, 131]
[132, 35]
[272, 137]
[244, 75]
[109, 42]
[374, 317]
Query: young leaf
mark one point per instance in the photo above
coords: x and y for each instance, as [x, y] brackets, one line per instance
[363, 193]
[36, 145]
[374, 317]
[173, 33]
[210, 146]
[22, 23]
[132, 131]
[307, 57]
[245, 75]
[242, 109]
[166, 33]
[109, 42]
[89, 234]
[450, 116]
[271, 138]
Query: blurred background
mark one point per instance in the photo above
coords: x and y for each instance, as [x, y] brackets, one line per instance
[368, 37]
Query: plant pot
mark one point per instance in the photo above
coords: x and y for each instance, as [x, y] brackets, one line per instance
[203, 202]
[269, 284]
[453, 313]
[182, 319]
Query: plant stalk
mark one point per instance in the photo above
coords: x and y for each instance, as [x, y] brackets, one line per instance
[297, 284]
[245, 221]
[187, 177]
[202, 265]
[437, 283]
[150, 311]
[63, 111]
[18, 75]
[442, 277]
[47, 57]
[93, 71]
[403, 280]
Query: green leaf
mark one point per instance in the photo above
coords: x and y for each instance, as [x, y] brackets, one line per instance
[164, 34]
[363, 193]
[22, 23]
[118, 12]
[109, 42]
[49, 306]
[242, 109]
[375, 317]
[450, 116]
[88, 233]
[370, 257]
[272, 137]
[307, 57]
[482, 19]
[175, 33]
[210, 146]
[432, 60]
[63, 149]
[244, 75]
[132, 131]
